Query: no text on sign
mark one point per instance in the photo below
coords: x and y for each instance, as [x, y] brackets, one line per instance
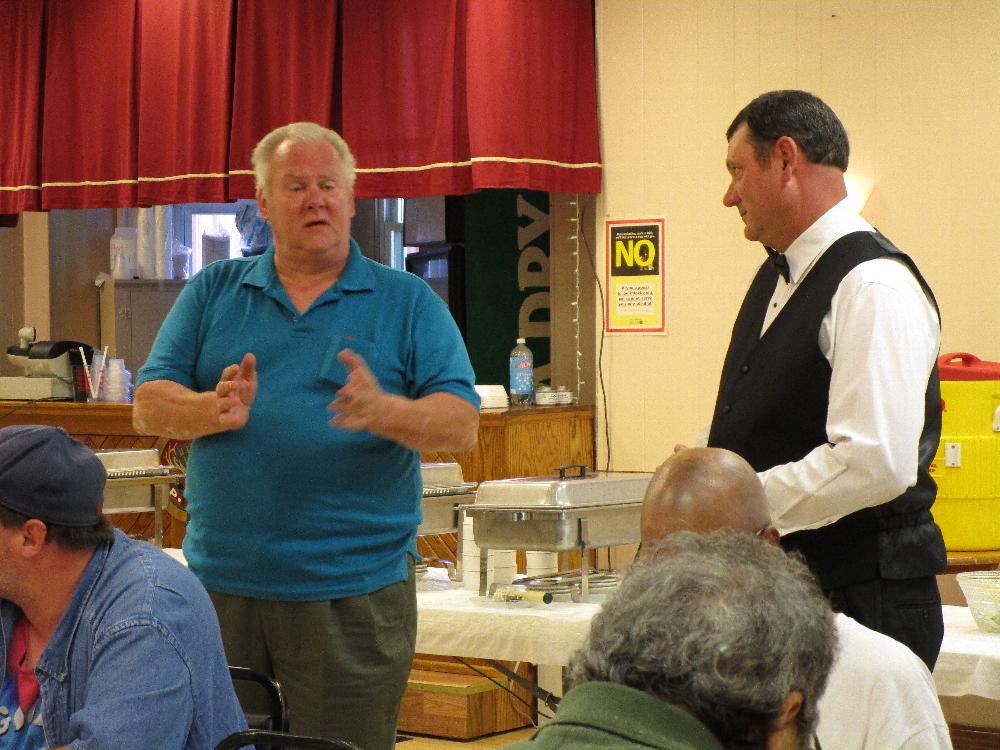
[634, 289]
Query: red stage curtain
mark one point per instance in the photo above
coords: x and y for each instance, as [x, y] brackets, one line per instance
[405, 113]
[184, 53]
[161, 101]
[284, 73]
[473, 95]
[88, 133]
[20, 106]
[541, 133]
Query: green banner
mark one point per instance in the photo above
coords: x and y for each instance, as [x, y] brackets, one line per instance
[507, 281]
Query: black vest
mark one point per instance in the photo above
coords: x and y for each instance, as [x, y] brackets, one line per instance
[772, 406]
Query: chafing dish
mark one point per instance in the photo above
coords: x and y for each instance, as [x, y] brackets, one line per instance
[133, 478]
[570, 510]
[444, 490]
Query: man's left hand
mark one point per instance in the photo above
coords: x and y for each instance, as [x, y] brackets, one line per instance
[360, 404]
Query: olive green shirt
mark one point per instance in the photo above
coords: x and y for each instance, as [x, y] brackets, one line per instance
[601, 715]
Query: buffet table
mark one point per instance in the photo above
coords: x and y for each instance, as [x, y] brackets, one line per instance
[969, 663]
[453, 621]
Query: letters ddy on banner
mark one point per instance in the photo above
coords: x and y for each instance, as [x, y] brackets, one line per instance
[634, 292]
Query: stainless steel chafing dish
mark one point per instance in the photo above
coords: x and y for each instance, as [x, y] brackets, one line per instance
[444, 490]
[572, 510]
[133, 479]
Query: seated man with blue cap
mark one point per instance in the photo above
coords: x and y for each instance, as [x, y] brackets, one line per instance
[107, 642]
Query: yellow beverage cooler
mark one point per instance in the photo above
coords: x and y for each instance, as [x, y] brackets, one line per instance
[967, 464]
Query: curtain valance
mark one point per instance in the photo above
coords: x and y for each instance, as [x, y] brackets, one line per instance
[145, 102]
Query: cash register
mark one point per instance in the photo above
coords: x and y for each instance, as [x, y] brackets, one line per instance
[47, 366]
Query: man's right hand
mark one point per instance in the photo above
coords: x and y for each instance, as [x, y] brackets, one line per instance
[235, 393]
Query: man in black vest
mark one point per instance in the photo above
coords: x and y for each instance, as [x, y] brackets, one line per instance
[830, 385]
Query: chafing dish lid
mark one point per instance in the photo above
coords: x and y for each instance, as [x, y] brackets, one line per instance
[437, 474]
[568, 491]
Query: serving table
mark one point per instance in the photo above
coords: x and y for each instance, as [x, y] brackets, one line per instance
[969, 663]
[454, 621]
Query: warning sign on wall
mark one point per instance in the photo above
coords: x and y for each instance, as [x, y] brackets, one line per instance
[634, 292]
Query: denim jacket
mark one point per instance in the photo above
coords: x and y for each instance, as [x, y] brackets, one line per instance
[136, 661]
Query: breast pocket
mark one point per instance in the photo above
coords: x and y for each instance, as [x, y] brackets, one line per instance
[333, 371]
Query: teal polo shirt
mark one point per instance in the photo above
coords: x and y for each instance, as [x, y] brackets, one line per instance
[289, 507]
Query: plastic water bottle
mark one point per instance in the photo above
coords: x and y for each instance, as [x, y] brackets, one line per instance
[522, 375]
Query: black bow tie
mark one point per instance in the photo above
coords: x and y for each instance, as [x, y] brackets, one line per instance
[779, 261]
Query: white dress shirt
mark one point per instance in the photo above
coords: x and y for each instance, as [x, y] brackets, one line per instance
[881, 337]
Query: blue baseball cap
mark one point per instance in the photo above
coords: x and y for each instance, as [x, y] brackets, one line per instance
[46, 474]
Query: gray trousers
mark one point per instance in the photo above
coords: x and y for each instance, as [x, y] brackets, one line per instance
[343, 663]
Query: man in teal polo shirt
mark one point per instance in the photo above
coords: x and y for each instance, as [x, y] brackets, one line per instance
[310, 379]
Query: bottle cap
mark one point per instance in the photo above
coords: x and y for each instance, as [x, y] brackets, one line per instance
[520, 341]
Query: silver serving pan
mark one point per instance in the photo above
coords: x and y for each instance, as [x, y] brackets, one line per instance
[449, 473]
[129, 459]
[137, 483]
[555, 529]
[444, 490]
[571, 487]
[572, 510]
[130, 497]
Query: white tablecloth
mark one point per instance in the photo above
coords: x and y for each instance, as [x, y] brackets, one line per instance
[969, 663]
[456, 622]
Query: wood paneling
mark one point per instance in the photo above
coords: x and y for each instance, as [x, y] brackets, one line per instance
[526, 442]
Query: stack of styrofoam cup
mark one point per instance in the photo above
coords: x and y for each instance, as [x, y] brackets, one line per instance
[541, 563]
[470, 556]
[117, 384]
[501, 565]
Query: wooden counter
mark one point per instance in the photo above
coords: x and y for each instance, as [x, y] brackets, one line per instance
[526, 442]
[960, 562]
[512, 443]
[99, 425]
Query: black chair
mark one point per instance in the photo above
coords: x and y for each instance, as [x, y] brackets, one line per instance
[278, 739]
[276, 719]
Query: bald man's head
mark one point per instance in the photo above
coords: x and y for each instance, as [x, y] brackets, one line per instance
[703, 489]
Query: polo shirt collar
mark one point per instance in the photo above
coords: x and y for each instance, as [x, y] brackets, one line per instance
[356, 277]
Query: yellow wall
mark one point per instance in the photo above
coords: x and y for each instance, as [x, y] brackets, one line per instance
[917, 84]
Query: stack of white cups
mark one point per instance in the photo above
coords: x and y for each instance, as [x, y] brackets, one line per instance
[117, 383]
[501, 565]
[541, 563]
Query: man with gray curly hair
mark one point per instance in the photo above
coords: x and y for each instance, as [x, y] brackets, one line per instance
[880, 695]
[722, 641]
